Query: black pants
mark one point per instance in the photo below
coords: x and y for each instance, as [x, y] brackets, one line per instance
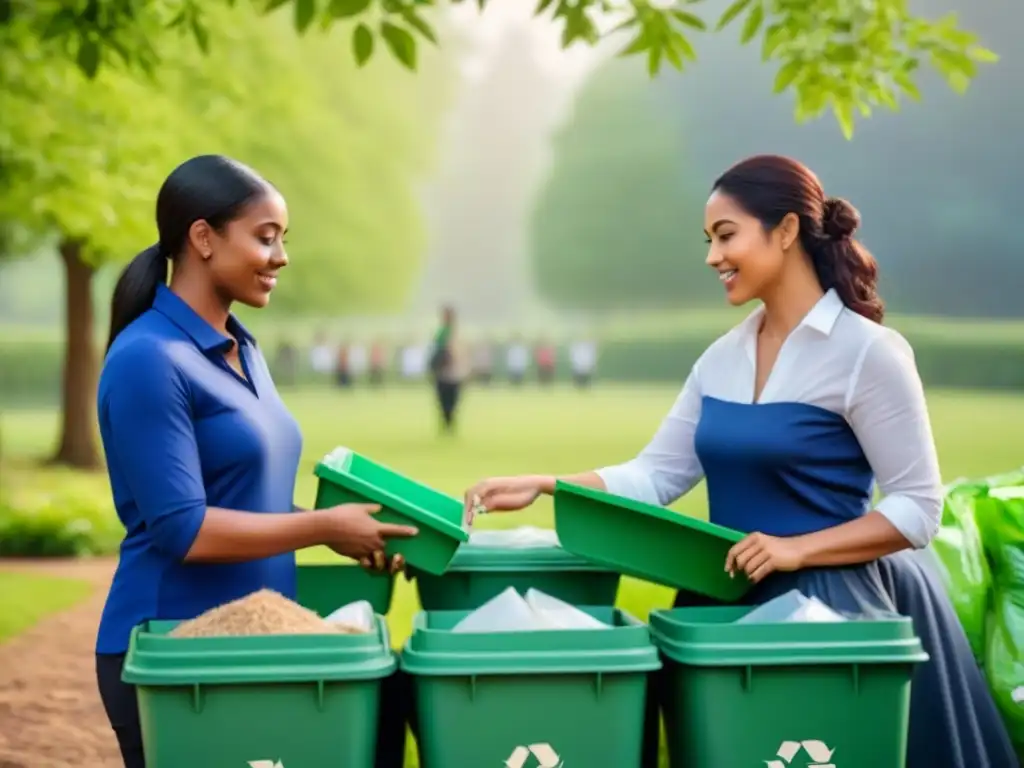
[397, 710]
[448, 400]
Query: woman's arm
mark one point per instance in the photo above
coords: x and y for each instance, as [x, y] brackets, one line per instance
[887, 411]
[151, 441]
[668, 466]
[663, 471]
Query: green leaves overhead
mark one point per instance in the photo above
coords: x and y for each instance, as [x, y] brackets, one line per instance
[846, 56]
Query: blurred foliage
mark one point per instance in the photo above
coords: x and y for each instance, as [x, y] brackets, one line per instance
[607, 231]
[847, 56]
[84, 158]
[58, 525]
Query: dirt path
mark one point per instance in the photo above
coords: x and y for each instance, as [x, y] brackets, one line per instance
[50, 713]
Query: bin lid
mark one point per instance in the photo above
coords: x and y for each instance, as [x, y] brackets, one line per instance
[434, 650]
[677, 550]
[157, 659]
[382, 485]
[710, 637]
[471, 557]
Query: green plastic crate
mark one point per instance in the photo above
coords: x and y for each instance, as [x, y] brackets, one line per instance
[647, 541]
[487, 699]
[404, 501]
[737, 693]
[477, 574]
[325, 587]
[296, 700]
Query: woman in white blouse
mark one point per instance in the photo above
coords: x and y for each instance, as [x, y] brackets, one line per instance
[792, 417]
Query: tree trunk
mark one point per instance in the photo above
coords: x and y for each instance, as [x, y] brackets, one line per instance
[78, 445]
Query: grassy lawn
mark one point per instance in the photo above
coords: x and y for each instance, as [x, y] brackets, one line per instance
[507, 432]
[27, 598]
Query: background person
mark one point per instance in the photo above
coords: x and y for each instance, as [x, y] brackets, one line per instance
[790, 418]
[205, 497]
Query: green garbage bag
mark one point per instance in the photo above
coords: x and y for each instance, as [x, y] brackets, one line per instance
[962, 564]
[1003, 533]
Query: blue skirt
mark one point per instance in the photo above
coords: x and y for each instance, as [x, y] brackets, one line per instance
[954, 722]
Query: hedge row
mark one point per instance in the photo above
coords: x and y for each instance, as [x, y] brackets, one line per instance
[30, 372]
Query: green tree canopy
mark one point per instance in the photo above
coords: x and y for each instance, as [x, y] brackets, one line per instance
[847, 56]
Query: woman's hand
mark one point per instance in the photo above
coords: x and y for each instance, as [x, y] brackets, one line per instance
[503, 494]
[351, 530]
[759, 555]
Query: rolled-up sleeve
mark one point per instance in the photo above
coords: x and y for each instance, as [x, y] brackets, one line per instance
[668, 466]
[150, 436]
[887, 410]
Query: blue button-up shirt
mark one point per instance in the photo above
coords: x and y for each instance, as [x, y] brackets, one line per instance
[183, 431]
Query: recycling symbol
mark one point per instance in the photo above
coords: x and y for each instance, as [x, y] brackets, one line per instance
[818, 751]
[543, 754]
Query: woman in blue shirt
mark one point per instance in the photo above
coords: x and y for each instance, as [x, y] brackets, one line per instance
[791, 418]
[201, 451]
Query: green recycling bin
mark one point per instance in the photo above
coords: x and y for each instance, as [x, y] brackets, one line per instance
[348, 477]
[785, 694]
[647, 541]
[278, 700]
[549, 698]
[325, 587]
[477, 574]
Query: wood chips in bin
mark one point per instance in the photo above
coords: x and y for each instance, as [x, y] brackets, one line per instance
[265, 612]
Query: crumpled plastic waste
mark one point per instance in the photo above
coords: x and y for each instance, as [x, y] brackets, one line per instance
[357, 617]
[791, 606]
[524, 537]
[338, 459]
[511, 612]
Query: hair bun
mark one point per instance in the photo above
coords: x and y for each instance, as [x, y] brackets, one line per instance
[839, 219]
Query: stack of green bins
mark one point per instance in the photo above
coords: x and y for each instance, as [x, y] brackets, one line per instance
[349, 477]
[550, 697]
[281, 700]
[785, 694]
[478, 573]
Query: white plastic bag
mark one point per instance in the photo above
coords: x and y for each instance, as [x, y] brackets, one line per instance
[507, 612]
[357, 617]
[525, 537]
[511, 612]
[338, 458]
[560, 615]
[791, 606]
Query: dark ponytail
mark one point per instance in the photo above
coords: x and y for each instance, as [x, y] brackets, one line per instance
[211, 188]
[770, 186]
[136, 289]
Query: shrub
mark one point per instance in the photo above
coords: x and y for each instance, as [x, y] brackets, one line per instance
[60, 525]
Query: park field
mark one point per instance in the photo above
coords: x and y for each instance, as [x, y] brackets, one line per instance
[504, 431]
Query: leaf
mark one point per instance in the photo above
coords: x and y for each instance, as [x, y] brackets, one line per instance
[690, 20]
[305, 10]
[753, 24]
[273, 5]
[346, 9]
[734, 10]
[401, 44]
[362, 44]
[984, 55]
[672, 54]
[88, 56]
[201, 35]
[843, 110]
[542, 6]
[684, 47]
[654, 60]
[907, 85]
[786, 75]
[773, 38]
[417, 22]
[638, 44]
